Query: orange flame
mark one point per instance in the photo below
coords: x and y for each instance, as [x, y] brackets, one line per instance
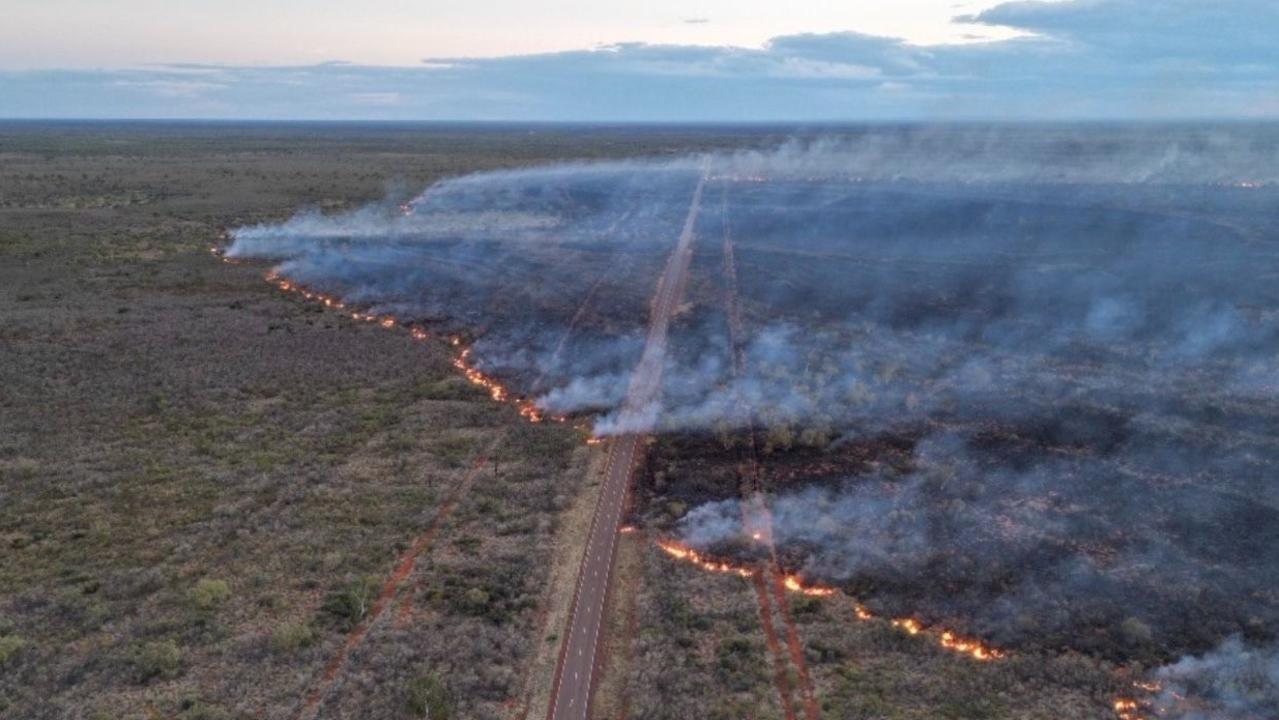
[683, 552]
[686, 553]
[220, 254]
[526, 408]
[969, 647]
[496, 390]
[945, 638]
[793, 584]
[1127, 709]
[907, 625]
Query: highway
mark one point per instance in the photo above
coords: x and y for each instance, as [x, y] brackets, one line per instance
[580, 654]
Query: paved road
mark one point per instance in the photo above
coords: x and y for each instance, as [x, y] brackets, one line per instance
[580, 654]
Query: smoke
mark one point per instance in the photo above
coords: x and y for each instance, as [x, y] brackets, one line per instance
[1233, 682]
[1038, 359]
[1034, 549]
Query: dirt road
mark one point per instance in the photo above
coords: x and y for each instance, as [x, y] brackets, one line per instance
[579, 655]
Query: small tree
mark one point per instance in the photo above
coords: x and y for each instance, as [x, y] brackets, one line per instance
[428, 698]
[779, 437]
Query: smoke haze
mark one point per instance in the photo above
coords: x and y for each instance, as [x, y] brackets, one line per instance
[1039, 359]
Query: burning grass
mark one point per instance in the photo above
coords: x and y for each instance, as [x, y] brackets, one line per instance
[793, 583]
[463, 361]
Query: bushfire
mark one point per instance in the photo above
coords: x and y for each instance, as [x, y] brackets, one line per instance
[683, 552]
[1131, 708]
[793, 584]
[496, 390]
[1128, 709]
[945, 638]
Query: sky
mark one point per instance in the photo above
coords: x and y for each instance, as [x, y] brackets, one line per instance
[657, 60]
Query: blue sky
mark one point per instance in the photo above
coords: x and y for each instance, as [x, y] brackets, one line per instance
[705, 60]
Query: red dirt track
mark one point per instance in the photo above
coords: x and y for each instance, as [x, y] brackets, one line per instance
[390, 589]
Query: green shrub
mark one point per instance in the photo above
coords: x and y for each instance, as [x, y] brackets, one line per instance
[452, 388]
[456, 451]
[352, 603]
[857, 694]
[162, 659]
[428, 698]
[973, 708]
[1135, 632]
[474, 601]
[292, 636]
[209, 593]
[199, 710]
[10, 646]
[738, 663]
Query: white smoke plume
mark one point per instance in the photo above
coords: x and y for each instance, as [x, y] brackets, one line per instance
[1070, 330]
[1232, 682]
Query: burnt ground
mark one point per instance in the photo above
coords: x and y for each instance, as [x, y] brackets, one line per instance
[987, 473]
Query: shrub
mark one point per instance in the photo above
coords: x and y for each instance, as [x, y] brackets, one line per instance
[778, 437]
[162, 659]
[209, 593]
[857, 694]
[428, 698]
[292, 636]
[199, 710]
[973, 708]
[352, 603]
[474, 602]
[1135, 632]
[10, 646]
[452, 388]
[738, 660]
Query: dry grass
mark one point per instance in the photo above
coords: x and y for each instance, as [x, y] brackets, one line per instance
[201, 474]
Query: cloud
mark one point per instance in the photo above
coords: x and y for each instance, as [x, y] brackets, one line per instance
[1230, 31]
[376, 98]
[173, 89]
[1116, 59]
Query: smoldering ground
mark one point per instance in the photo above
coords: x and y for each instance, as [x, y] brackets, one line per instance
[1074, 328]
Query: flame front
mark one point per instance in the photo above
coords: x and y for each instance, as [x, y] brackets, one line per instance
[1125, 708]
[496, 390]
[908, 626]
[945, 638]
[688, 554]
[792, 583]
[1128, 709]
[969, 647]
